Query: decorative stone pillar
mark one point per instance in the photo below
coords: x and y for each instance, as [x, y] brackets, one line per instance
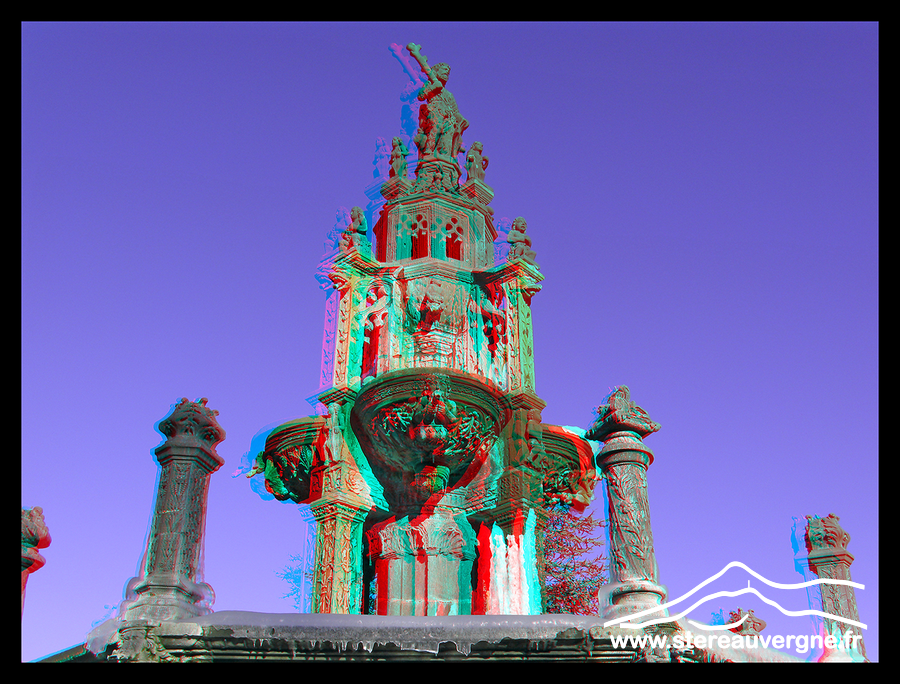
[826, 544]
[168, 587]
[341, 501]
[35, 535]
[518, 291]
[624, 459]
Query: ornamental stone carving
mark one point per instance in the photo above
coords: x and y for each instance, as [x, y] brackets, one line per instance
[476, 162]
[35, 535]
[620, 413]
[433, 426]
[751, 626]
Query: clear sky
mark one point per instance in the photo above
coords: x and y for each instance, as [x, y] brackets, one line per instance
[703, 200]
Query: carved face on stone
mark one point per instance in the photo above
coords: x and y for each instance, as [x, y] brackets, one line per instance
[442, 71]
[519, 225]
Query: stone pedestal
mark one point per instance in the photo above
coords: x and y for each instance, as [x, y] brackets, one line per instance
[634, 576]
[396, 187]
[479, 191]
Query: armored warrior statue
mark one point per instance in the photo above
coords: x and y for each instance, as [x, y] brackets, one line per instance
[440, 124]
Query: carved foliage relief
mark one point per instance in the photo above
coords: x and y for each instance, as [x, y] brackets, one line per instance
[631, 539]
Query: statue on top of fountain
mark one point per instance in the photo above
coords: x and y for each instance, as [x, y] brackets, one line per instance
[440, 124]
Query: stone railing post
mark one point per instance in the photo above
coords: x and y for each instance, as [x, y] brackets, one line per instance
[35, 535]
[168, 587]
[826, 544]
[624, 459]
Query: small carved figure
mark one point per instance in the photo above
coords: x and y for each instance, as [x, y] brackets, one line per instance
[520, 243]
[433, 414]
[440, 124]
[355, 236]
[382, 155]
[398, 159]
[341, 219]
[476, 163]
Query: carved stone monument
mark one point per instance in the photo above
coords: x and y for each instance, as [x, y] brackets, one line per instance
[428, 470]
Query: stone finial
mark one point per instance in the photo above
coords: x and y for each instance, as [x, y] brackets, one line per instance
[752, 625]
[825, 534]
[619, 413]
[828, 557]
[192, 424]
[520, 243]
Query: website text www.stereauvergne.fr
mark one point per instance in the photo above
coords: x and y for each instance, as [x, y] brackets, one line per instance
[802, 643]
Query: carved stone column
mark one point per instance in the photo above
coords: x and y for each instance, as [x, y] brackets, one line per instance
[518, 292]
[341, 501]
[35, 535]
[168, 587]
[624, 459]
[826, 543]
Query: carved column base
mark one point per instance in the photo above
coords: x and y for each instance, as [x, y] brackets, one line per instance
[157, 602]
[628, 598]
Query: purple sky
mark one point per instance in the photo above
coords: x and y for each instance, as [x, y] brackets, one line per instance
[703, 200]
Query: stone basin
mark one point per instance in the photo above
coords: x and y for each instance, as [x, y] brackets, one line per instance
[427, 425]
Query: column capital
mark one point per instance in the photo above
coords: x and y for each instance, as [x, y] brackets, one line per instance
[619, 413]
[191, 431]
